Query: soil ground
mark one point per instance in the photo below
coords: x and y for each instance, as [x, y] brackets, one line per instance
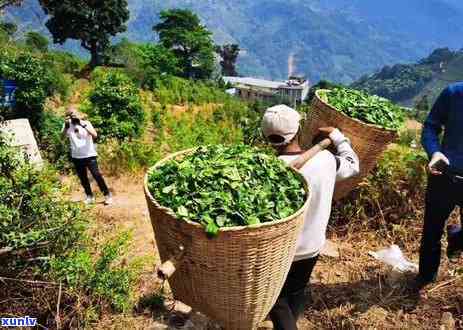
[353, 291]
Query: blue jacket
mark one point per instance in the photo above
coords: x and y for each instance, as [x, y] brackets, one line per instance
[447, 115]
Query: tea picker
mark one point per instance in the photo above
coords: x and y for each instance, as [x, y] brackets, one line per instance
[281, 127]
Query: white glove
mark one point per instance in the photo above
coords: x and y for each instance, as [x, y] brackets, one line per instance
[437, 156]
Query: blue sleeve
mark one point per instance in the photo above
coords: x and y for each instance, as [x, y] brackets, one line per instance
[433, 124]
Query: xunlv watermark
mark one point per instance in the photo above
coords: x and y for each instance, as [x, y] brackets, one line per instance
[25, 321]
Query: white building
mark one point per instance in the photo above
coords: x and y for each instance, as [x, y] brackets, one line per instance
[294, 90]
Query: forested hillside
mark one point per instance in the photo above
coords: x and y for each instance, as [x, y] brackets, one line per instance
[337, 40]
[410, 83]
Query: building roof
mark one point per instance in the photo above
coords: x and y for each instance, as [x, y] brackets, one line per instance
[254, 82]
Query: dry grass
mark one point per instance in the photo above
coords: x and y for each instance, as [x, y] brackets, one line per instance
[352, 292]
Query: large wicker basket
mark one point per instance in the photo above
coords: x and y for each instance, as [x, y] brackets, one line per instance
[235, 278]
[369, 141]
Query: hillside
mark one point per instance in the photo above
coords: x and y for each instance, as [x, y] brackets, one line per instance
[338, 40]
[409, 83]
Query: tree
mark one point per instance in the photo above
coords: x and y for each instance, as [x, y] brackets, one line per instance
[157, 61]
[37, 41]
[9, 28]
[6, 3]
[92, 22]
[229, 54]
[181, 31]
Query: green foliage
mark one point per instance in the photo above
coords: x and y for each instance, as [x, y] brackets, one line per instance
[36, 79]
[128, 156]
[174, 90]
[393, 194]
[114, 107]
[220, 186]
[144, 63]
[156, 62]
[399, 82]
[9, 28]
[106, 279]
[36, 41]
[322, 84]
[66, 63]
[367, 108]
[91, 22]
[51, 143]
[181, 31]
[34, 216]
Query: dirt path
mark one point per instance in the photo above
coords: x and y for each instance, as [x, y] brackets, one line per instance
[350, 291]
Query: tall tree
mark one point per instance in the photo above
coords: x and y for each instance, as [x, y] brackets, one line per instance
[92, 22]
[229, 54]
[181, 31]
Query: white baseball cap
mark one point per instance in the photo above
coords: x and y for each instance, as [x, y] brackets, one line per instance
[283, 121]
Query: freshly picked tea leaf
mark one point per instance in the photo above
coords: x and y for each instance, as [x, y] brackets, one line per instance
[370, 109]
[226, 186]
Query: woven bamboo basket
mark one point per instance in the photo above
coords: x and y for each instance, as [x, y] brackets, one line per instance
[368, 141]
[234, 278]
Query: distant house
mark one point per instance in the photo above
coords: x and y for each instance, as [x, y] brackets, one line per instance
[293, 91]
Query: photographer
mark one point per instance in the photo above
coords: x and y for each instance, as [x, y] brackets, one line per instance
[81, 134]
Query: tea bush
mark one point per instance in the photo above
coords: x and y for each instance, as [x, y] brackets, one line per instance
[51, 143]
[174, 90]
[36, 80]
[392, 194]
[104, 279]
[128, 156]
[115, 107]
[35, 220]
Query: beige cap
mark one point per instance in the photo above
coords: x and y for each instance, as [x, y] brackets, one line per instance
[281, 120]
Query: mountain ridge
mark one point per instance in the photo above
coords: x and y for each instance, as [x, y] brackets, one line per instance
[338, 40]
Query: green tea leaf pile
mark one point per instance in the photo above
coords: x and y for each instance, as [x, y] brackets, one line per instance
[226, 186]
[367, 108]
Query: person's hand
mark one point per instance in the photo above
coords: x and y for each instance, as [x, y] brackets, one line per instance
[436, 157]
[326, 130]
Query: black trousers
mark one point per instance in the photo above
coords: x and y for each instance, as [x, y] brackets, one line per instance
[81, 166]
[442, 196]
[292, 299]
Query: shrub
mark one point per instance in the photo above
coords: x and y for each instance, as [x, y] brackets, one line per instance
[119, 157]
[105, 280]
[115, 107]
[156, 62]
[36, 80]
[195, 127]
[66, 62]
[51, 143]
[174, 90]
[35, 220]
[392, 194]
[37, 41]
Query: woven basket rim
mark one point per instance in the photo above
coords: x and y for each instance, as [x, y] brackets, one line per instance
[224, 229]
[347, 117]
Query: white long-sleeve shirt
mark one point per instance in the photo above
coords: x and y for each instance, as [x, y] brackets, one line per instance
[322, 172]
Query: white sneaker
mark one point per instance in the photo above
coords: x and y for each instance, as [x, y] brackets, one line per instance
[89, 200]
[108, 200]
